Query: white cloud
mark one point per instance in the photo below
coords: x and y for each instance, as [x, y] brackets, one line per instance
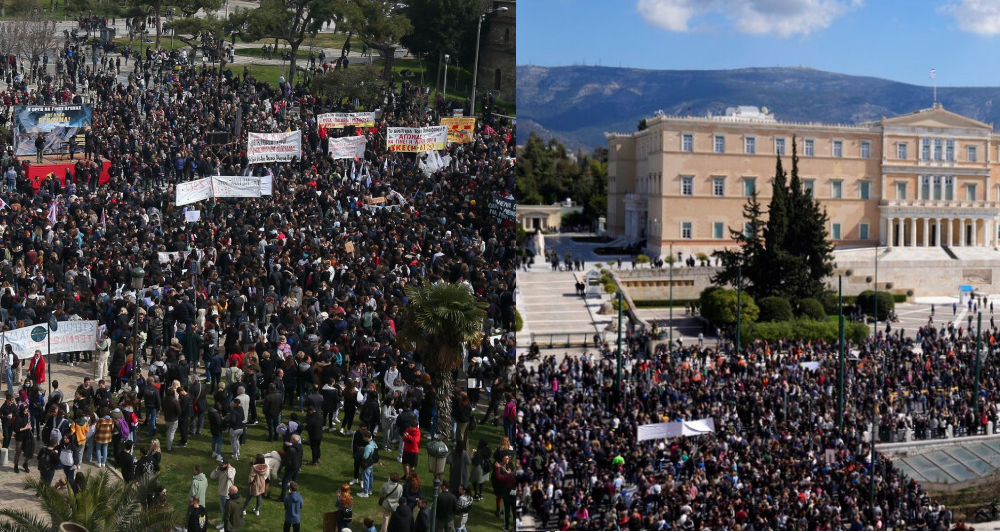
[976, 16]
[783, 18]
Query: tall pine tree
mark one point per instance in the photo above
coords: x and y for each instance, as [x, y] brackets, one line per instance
[749, 255]
[807, 237]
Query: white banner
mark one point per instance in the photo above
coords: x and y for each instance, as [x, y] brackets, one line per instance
[348, 147]
[273, 147]
[659, 431]
[267, 185]
[416, 138]
[339, 120]
[167, 256]
[71, 336]
[193, 191]
[192, 216]
[235, 186]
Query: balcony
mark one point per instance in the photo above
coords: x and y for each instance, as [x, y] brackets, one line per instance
[949, 204]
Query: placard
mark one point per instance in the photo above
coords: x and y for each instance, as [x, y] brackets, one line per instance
[193, 191]
[503, 208]
[57, 122]
[273, 147]
[341, 120]
[460, 129]
[414, 139]
[228, 186]
[348, 147]
[192, 216]
[71, 336]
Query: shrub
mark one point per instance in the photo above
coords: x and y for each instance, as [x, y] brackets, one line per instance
[642, 259]
[719, 306]
[827, 331]
[866, 302]
[775, 309]
[518, 321]
[812, 309]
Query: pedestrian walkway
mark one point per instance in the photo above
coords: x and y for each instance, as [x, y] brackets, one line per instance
[550, 307]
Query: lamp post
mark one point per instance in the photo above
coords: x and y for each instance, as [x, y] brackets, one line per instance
[475, 67]
[739, 306]
[979, 345]
[437, 453]
[670, 324]
[138, 276]
[620, 394]
[840, 379]
[447, 59]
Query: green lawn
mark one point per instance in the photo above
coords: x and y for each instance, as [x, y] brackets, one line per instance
[318, 485]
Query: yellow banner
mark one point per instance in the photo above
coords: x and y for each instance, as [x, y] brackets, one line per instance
[460, 129]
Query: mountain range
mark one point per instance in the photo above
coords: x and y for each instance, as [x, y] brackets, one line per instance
[578, 104]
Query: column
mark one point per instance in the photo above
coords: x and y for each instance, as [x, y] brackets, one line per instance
[951, 232]
[938, 240]
[902, 233]
[974, 222]
[961, 231]
[913, 232]
[927, 232]
[887, 232]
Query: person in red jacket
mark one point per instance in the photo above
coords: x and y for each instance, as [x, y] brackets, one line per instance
[36, 368]
[411, 447]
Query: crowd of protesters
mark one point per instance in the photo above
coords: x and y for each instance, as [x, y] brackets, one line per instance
[292, 300]
[777, 459]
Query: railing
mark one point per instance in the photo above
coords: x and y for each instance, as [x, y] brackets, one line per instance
[563, 340]
[940, 203]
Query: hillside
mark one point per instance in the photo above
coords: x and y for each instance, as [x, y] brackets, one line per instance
[578, 104]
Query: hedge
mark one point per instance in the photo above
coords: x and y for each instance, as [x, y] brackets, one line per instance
[812, 309]
[886, 303]
[827, 331]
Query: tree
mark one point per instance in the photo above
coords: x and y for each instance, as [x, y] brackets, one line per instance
[440, 319]
[718, 306]
[287, 20]
[379, 25]
[807, 237]
[191, 29]
[103, 503]
[747, 263]
[361, 83]
[444, 25]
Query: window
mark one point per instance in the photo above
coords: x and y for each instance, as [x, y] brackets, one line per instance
[718, 230]
[970, 154]
[949, 152]
[937, 149]
[808, 185]
[809, 147]
[970, 192]
[837, 189]
[747, 229]
[719, 186]
[838, 148]
[750, 145]
[937, 188]
[687, 142]
[925, 149]
[749, 186]
[835, 232]
[866, 149]
[925, 187]
[865, 188]
[949, 188]
[720, 144]
[779, 146]
[686, 230]
[901, 191]
[863, 231]
[687, 186]
[901, 150]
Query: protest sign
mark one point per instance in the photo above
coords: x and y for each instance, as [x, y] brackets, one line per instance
[414, 139]
[71, 336]
[503, 208]
[273, 147]
[347, 147]
[193, 191]
[340, 120]
[460, 129]
[235, 186]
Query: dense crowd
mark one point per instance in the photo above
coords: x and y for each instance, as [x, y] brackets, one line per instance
[291, 300]
[777, 460]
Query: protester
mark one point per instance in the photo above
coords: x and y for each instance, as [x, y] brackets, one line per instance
[293, 507]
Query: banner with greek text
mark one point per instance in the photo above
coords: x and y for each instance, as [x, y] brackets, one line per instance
[504, 209]
[226, 186]
[341, 120]
[193, 191]
[348, 147]
[267, 185]
[71, 336]
[57, 122]
[460, 129]
[414, 139]
[273, 147]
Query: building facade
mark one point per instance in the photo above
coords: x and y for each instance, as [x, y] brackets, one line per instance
[498, 53]
[927, 178]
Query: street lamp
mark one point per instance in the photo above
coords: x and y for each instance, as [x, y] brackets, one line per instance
[437, 453]
[475, 67]
[138, 276]
[447, 59]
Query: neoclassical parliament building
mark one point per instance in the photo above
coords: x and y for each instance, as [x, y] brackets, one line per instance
[929, 179]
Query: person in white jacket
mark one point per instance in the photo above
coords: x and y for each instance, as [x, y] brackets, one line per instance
[227, 477]
[103, 355]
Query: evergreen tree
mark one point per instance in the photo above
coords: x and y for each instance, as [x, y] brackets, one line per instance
[807, 237]
[750, 252]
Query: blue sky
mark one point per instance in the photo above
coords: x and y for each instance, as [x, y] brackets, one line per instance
[899, 40]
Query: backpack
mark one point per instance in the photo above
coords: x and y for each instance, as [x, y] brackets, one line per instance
[371, 460]
[123, 428]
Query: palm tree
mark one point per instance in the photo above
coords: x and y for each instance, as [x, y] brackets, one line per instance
[441, 319]
[104, 503]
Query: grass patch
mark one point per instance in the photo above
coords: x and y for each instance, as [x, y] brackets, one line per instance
[318, 485]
